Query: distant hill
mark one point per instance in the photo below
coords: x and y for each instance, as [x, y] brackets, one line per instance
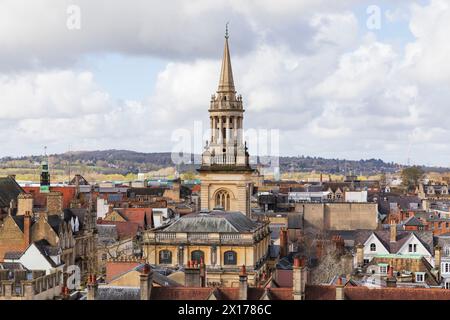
[124, 161]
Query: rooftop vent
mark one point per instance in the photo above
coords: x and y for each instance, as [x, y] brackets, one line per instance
[219, 208]
[204, 212]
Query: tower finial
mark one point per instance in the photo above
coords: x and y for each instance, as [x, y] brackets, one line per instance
[226, 30]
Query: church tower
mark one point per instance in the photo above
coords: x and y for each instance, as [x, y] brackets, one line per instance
[225, 172]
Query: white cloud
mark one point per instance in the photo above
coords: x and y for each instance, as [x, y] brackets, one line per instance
[304, 67]
[52, 94]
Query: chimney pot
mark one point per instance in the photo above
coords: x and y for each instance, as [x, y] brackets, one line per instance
[243, 271]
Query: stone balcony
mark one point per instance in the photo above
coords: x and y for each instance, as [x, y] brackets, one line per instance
[198, 238]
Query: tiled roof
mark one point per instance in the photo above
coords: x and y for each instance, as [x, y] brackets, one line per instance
[40, 199]
[426, 238]
[364, 293]
[141, 216]
[180, 293]
[313, 292]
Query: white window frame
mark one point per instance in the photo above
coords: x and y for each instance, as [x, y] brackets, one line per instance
[383, 269]
[420, 276]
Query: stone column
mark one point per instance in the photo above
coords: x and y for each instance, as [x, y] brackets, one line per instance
[227, 130]
[235, 128]
[211, 126]
[220, 136]
[146, 282]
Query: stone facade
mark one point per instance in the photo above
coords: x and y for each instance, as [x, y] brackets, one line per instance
[249, 248]
[340, 216]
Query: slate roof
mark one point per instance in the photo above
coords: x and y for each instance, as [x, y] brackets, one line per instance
[443, 240]
[19, 221]
[402, 201]
[12, 266]
[214, 221]
[9, 190]
[107, 233]
[118, 293]
[413, 222]
[55, 222]
[13, 255]
[47, 250]
[158, 278]
[152, 191]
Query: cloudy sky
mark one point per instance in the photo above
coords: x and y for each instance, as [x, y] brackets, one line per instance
[335, 80]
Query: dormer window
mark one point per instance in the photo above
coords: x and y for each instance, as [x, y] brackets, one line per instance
[412, 247]
[420, 276]
[373, 247]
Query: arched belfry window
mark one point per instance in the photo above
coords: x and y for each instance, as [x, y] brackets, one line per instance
[223, 200]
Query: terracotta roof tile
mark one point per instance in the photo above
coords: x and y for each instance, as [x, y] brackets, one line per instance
[180, 293]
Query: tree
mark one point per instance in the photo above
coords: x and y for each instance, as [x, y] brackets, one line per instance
[411, 177]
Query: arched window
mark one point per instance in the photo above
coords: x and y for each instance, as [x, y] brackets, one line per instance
[373, 247]
[230, 258]
[165, 257]
[197, 256]
[223, 200]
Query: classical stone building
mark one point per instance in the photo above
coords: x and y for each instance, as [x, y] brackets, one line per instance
[226, 175]
[223, 241]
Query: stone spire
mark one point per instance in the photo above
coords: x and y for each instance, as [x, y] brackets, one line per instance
[226, 82]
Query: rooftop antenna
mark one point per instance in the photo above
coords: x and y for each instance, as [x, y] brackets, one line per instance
[226, 30]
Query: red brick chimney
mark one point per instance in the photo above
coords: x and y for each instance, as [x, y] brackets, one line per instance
[340, 295]
[92, 287]
[391, 281]
[393, 228]
[27, 229]
[299, 275]
[146, 282]
[243, 283]
[192, 275]
[202, 272]
[283, 242]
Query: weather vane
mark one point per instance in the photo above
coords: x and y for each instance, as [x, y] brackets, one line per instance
[226, 30]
